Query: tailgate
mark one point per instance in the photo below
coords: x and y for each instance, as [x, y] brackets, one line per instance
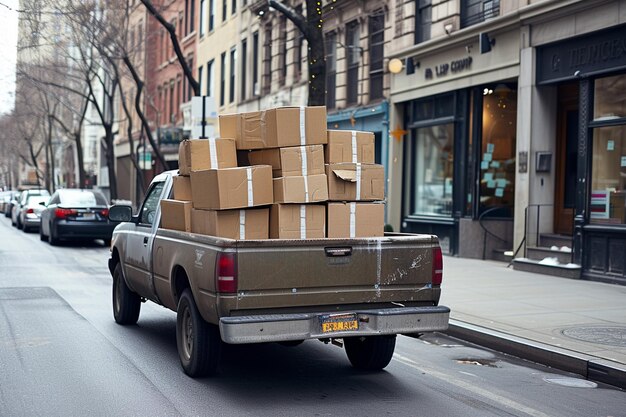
[326, 272]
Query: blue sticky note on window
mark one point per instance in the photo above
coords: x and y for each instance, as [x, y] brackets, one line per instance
[484, 165]
[501, 182]
[491, 184]
[487, 156]
[499, 192]
[495, 164]
[490, 147]
[488, 176]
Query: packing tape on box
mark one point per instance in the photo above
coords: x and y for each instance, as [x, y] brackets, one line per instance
[305, 162]
[213, 152]
[352, 220]
[250, 190]
[306, 189]
[302, 125]
[242, 224]
[302, 221]
[354, 156]
[358, 181]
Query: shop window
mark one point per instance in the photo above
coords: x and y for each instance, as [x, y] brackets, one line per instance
[433, 156]
[496, 162]
[608, 175]
[610, 102]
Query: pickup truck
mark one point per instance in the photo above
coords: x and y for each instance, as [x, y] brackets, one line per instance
[356, 293]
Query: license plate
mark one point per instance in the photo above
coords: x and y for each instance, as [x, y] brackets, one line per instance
[339, 323]
[88, 216]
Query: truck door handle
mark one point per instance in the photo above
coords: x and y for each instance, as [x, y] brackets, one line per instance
[335, 252]
[145, 240]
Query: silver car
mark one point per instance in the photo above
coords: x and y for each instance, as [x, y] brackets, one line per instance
[22, 202]
[30, 215]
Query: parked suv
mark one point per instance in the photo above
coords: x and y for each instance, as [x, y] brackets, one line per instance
[22, 204]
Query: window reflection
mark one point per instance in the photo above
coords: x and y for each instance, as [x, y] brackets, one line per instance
[608, 176]
[434, 156]
[610, 100]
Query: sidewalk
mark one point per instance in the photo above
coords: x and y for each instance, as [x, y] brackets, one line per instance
[574, 325]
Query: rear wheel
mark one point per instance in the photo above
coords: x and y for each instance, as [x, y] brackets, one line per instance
[370, 353]
[126, 304]
[53, 240]
[25, 229]
[199, 343]
[42, 237]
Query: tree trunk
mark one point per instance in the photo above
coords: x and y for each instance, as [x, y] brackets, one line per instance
[316, 55]
[110, 158]
[81, 160]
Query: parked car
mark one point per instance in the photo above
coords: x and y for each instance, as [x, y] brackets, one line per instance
[30, 214]
[76, 214]
[8, 207]
[22, 202]
[5, 197]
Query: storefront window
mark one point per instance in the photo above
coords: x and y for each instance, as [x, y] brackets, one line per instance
[433, 156]
[608, 176]
[610, 100]
[497, 158]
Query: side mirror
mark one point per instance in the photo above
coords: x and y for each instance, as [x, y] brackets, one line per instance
[42, 203]
[120, 213]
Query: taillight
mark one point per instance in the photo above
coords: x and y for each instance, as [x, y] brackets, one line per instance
[30, 211]
[226, 272]
[437, 266]
[104, 213]
[61, 213]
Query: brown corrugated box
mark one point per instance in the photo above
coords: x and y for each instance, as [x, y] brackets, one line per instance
[350, 146]
[231, 188]
[352, 220]
[176, 215]
[355, 182]
[182, 188]
[276, 128]
[232, 224]
[309, 189]
[200, 154]
[297, 221]
[291, 162]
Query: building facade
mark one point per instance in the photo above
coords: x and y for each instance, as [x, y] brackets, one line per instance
[511, 117]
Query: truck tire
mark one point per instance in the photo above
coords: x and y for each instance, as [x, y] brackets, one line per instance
[126, 304]
[199, 343]
[370, 353]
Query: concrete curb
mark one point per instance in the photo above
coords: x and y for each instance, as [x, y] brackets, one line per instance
[590, 367]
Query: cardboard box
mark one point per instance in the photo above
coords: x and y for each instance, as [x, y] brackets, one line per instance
[352, 220]
[176, 215]
[310, 189]
[298, 161]
[232, 224]
[297, 221]
[355, 182]
[276, 128]
[350, 146]
[232, 188]
[182, 188]
[200, 154]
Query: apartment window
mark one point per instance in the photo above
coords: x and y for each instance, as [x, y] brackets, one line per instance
[282, 45]
[255, 64]
[186, 17]
[211, 15]
[423, 20]
[233, 7]
[233, 67]
[172, 112]
[200, 79]
[267, 61]
[222, 77]
[224, 11]
[140, 36]
[352, 52]
[179, 94]
[244, 65]
[209, 78]
[331, 69]
[202, 19]
[377, 42]
[192, 15]
[476, 11]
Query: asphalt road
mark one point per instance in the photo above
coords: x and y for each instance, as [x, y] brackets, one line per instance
[61, 354]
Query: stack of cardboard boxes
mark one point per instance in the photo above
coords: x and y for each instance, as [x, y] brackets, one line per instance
[313, 183]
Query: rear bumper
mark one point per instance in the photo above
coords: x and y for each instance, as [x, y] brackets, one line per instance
[83, 230]
[285, 327]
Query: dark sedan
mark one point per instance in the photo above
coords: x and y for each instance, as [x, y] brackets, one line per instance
[76, 214]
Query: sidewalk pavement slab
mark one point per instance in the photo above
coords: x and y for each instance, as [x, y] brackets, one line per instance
[574, 325]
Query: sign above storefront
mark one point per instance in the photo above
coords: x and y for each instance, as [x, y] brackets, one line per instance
[453, 67]
[592, 54]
